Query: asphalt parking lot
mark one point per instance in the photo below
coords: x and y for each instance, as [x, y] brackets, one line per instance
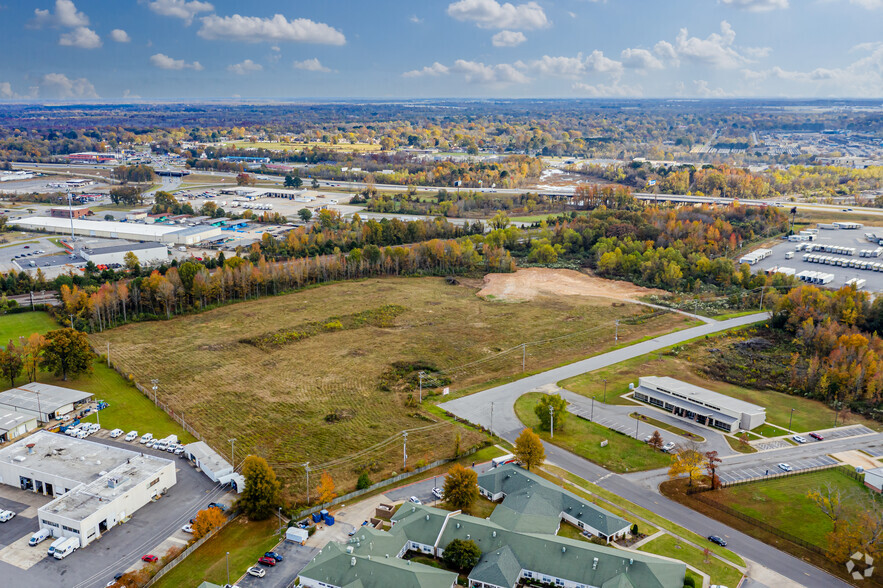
[758, 472]
[875, 451]
[296, 557]
[423, 489]
[842, 433]
[118, 549]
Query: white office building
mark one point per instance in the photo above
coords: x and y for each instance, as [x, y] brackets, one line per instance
[95, 486]
[699, 405]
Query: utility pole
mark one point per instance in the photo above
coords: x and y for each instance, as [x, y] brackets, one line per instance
[405, 450]
[280, 520]
[228, 568]
[637, 423]
[420, 377]
[492, 418]
[155, 383]
[616, 335]
[307, 468]
[232, 452]
[762, 288]
[791, 419]
[605, 390]
[108, 354]
[551, 422]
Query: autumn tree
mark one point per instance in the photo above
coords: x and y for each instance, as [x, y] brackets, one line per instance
[461, 487]
[131, 260]
[32, 348]
[711, 464]
[207, 520]
[687, 461]
[462, 554]
[558, 406]
[261, 494]
[325, 489]
[829, 500]
[655, 440]
[67, 353]
[11, 363]
[529, 449]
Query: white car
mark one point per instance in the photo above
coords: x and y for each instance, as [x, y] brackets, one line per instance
[438, 493]
[785, 467]
[71, 431]
[179, 450]
[116, 433]
[668, 446]
[415, 500]
[82, 433]
[799, 439]
[6, 515]
[131, 436]
[257, 572]
[187, 528]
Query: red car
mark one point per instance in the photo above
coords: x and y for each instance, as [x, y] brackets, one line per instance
[267, 561]
[149, 558]
[816, 436]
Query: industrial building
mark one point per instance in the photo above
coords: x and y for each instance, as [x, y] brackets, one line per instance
[43, 401]
[120, 230]
[698, 404]
[215, 467]
[70, 212]
[96, 486]
[15, 424]
[149, 253]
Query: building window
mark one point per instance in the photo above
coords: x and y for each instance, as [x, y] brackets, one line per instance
[66, 528]
[153, 483]
[50, 523]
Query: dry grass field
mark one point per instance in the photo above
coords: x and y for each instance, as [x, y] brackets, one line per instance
[328, 393]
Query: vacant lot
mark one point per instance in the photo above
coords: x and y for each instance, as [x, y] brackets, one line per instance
[328, 394]
[13, 326]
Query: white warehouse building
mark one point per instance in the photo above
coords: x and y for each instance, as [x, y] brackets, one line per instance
[43, 401]
[95, 486]
[118, 230]
[150, 253]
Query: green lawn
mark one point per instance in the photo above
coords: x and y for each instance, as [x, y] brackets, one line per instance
[809, 416]
[669, 546]
[246, 542]
[765, 501]
[739, 446]
[670, 428]
[13, 326]
[571, 532]
[768, 430]
[622, 454]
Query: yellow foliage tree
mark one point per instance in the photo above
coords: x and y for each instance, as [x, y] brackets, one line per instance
[208, 520]
[529, 449]
[325, 489]
[687, 461]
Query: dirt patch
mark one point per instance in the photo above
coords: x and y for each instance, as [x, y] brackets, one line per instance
[528, 283]
[856, 458]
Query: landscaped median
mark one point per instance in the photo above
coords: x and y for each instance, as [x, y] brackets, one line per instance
[657, 424]
[620, 454]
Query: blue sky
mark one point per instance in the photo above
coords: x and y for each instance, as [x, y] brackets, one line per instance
[289, 49]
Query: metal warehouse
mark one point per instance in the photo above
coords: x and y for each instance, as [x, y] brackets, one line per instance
[698, 404]
[149, 253]
[215, 467]
[120, 230]
[15, 424]
[96, 486]
[43, 401]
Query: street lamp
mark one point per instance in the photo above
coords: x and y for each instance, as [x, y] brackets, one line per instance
[280, 520]
[228, 568]
[637, 423]
[790, 419]
[307, 468]
[605, 389]
[232, 452]
[551, 422]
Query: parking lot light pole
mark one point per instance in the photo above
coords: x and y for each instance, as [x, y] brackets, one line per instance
[280, 520]
[605, 389]
[228, 567]
[551, 422]
[593, 410]
[637, 423]
[790, 419]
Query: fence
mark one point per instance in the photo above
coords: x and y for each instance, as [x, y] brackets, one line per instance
[183, 555]
[782, 474]
[356, 493]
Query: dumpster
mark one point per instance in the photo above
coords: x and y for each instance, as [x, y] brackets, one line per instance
[329, 520]
[316, 517]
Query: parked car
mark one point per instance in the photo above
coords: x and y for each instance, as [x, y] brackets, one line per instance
[116, 433]
[131, 436]
[149, 558]
[438, 493]
[274, 555]
[415, 500]
[6, 515]
[217, 505]
[799, 439]
[816, 436]
[719, 540]
[257, 572]
[785, 467]
[267, 561]
[179, 450]
[668, 446]
[187, 528]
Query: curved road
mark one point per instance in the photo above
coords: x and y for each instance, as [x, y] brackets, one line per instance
[499, 402]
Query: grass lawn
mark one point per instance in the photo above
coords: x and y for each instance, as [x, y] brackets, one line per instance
[622, 454]
[766, 500]
[246, 542]
[337, 393]
[534, 218]
[809, 416]
[571, 532]
[732, 315]
[768, 430]
[738, 445]
[482, 508]
[670, 428]
[669, 546]
[13, 326]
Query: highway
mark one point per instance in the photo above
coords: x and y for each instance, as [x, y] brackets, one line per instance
[494, 409]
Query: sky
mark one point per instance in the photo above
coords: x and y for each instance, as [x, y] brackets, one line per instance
[111, 50]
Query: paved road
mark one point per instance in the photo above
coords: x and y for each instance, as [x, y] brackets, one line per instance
[478, 407]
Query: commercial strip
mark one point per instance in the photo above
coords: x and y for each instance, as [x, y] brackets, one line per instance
[698, 404]
[518, 543]
[43, 401]
[95, 486]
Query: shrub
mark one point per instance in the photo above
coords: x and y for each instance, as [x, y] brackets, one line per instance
[364, 481]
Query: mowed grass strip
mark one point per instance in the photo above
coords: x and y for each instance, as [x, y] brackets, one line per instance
[783, 502]
[320, 398]
[809, 416]
[669, 546]
[621, 454]
[245, 540]
[24, 324]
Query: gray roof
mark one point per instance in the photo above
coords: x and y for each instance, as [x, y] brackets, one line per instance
[424, 523]
[10, 420]
[208, 457]
[500, 568]
[126, 247]
[687, 405]
[699, 394]
[51, 398]
[534, 504]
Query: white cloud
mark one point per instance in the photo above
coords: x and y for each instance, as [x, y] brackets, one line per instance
[508, 39]
[869, 46]
[129, 94]
[716, 50]
[667, 52]
[757, 5]
[607, 90]
[640, 59]
[561, 67]
[82, 37]
[6, 92]
[310, 65]
[597, 62]
[490, 14]
[66, 15]
[246, 67]
[415, 19]
[165, 62]
[479, 73]
[120, 36]
[183, 9]
[435, 70]
[59, 86]
[702, 89]
[253, 29]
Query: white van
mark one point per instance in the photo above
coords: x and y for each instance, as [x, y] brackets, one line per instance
[70, 545]
[161, 445]
[6, 515]
[171, 439]
[39, 537]
[56, 544]
[146, 437]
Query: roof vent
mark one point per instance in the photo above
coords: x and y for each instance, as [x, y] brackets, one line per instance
[427, 517]
[349, 548]
[594, 563]
[563, 549]
[458, 525]
[631, 561]
[494, 534]
[30, 447]
[413, 509]
[387, 556]
[468, 535]
[352, 562]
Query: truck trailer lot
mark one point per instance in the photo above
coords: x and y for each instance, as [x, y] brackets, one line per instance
[847, 238]
[119, 549]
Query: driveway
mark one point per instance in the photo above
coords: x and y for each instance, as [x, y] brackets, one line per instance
[423, 489]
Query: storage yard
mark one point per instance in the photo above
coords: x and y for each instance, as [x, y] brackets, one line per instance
[833, 257]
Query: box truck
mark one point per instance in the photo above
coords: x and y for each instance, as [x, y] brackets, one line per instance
[70, 545]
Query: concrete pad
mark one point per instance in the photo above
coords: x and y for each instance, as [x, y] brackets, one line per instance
[22, 555]
[856, 458]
